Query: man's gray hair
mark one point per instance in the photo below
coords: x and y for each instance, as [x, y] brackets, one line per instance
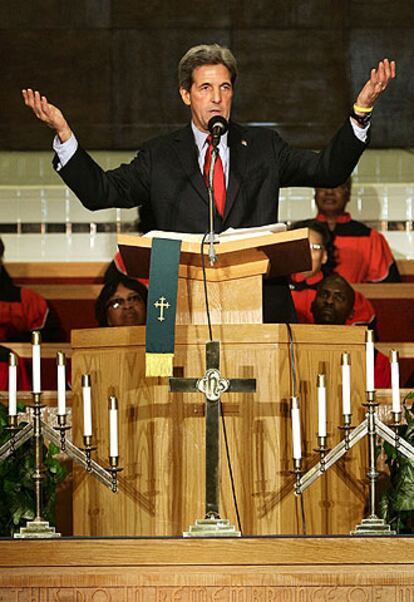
[205, 54]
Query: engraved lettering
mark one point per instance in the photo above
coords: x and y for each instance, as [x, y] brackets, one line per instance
[34, 594]
[257, 595]
[284, 594]
[405, 594]
[272, 595]
[10, 594]
[163, 595]
[178, 595]
[301, 595]
[318, 594]
[238, 594]
[65, 595]
[138, 594]
[332, 594]
[198, 594]
[358, 594]
[219, 595]
[378, 593]
[101, 595]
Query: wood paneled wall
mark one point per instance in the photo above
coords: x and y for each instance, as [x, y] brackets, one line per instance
[111, 65]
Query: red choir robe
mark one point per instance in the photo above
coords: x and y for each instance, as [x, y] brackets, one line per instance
[362, 253]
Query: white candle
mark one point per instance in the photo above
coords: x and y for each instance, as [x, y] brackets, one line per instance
[12, 384]
[113, 427]
[321, 405]
[61, 383]
[87, 405]
[369, 339]
[395, 381]
[36, 383]
[346, 383]
[295, 415]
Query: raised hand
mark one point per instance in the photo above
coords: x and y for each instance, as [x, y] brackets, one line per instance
[47, 113]
[377, 83]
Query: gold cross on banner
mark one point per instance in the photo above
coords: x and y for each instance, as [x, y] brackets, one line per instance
[161, 304]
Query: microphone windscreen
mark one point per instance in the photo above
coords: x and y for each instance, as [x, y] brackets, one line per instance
[218, 125]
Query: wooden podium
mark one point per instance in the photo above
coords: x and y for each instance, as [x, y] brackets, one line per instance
[162, 434]
[234, 283]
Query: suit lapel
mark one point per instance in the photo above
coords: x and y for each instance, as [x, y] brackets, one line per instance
[238, 144]
[186, 150]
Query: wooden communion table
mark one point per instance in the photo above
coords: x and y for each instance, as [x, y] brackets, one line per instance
[162, 435]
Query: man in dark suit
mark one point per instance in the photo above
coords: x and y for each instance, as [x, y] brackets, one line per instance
[165, 180]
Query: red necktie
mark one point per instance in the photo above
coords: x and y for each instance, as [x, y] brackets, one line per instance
[219, 183]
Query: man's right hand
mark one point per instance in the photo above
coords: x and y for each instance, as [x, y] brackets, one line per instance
[48, 113]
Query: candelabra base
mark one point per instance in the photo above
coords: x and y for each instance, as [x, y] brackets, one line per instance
[373, 526]
[212, 527]
[37, 529]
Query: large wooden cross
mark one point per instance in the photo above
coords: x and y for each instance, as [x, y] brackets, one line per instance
[212, 385]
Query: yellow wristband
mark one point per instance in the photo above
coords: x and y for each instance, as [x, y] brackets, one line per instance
[359, 109]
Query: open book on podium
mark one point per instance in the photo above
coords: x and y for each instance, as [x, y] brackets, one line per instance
[244, 257]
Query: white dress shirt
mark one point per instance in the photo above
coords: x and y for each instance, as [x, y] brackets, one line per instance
[66, 150]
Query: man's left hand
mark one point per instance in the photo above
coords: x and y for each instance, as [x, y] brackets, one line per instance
[377, 83]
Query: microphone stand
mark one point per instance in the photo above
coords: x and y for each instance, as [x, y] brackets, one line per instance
[212, 237]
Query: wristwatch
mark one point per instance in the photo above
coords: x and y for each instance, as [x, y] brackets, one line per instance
[361, 119]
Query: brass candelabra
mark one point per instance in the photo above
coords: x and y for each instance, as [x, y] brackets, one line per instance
[40, 430]
[370, 427]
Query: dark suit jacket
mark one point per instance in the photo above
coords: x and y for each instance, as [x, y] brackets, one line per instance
[165, 182]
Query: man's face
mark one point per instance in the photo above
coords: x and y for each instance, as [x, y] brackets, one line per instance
[333, 303]
[211, 94]
[332, 201]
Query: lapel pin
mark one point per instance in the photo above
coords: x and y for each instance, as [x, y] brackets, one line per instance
[244, 142]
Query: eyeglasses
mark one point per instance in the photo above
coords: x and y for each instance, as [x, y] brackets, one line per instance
[119, 302]
[316, 246]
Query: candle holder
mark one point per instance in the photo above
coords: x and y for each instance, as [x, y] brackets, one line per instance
[39, 429]
[62, 427]
[371, 427]
[83, 456]
[13, 427]
[347, 428]
[297, 470]
[322, 450]
[12, 423]
[297, 455]
[88, 449]
[396, 425]
[114, 469]
[372, 525]
[38, 528]
[397, 419]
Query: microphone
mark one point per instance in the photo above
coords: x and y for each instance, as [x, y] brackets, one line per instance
[217, 126]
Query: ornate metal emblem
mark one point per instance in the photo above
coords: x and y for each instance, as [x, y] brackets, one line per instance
[213, 385]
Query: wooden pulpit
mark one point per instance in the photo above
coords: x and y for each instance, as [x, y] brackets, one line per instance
[234, 283]
[161, 434]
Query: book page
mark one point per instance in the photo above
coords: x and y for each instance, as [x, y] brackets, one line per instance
[230, 234]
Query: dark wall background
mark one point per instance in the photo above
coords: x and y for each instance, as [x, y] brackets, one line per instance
[111, 65]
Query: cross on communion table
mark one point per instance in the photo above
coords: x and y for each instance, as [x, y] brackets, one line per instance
[212, 385]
